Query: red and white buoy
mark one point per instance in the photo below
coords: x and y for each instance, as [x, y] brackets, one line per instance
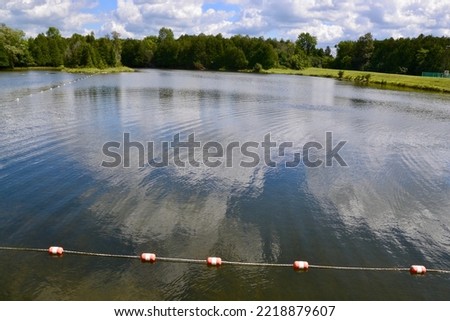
[214, 261]
[418, 269]
[301, 266]
[55, 250]
[148, 258]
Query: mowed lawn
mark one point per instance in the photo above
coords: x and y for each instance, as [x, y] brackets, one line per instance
[405, 81]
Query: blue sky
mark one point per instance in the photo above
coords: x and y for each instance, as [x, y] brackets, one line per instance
[330, 20]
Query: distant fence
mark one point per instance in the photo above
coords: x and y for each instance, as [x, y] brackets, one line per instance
[445, 74]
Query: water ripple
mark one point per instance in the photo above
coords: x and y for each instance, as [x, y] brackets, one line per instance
[389, 206]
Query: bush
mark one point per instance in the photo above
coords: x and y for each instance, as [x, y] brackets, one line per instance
[199, 66]
[341, 74]
[257, 68]
[363, 80]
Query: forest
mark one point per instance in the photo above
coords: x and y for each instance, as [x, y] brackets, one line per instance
[214, 52]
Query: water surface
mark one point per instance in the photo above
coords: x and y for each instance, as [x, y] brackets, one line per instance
[388, 207]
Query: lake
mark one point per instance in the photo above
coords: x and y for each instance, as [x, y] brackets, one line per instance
[382, 201]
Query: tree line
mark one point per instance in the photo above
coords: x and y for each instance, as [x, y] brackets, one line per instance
[50, 49]
[215, 52]
[398, 56]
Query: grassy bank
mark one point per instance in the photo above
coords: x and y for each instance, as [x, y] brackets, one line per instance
[97, 70]
[375, 78]
[19, 69]
[76, 70]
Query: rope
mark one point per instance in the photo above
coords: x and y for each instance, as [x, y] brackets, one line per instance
[438, 271]
[117, 256]
[246, 264]
[23, 249]
[257, 264]
[53, 87]
[177, 260]
[357, 268]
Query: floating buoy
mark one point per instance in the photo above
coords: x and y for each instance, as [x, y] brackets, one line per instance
[301, 266]
[17, 99]
[148, 257]
[214, 261]
[418, 269]
[55, 250]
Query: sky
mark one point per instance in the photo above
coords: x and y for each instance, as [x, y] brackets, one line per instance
[329, 20]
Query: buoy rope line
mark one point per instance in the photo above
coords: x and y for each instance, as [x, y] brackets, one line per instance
[59, 85]
[216, 261]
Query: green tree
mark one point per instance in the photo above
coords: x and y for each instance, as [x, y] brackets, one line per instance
[13, 47]
[264, 54]
[285, 50]
[345, 51]
[116, 49]
[74, 51]
[234, 58]
[53, 32]
[405, 55]
[38, 48]
[146, 51]
[165, 34]
[89, 57]
[200, 52]
[4, 59]
[129, 49]
[56, 47]
[421, 56]
[327, 59]
[106, 51]
[364, 49]
[299, 61]
[166, 54]
[215, 45]
[307, 43]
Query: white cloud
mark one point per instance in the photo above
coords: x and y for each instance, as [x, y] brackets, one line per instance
[143, 18]
[112, 25]
[251, 21]
[326, 33]
[128, 11]
[214, 22]
[49, 9]
[330, 20]
[35, 16]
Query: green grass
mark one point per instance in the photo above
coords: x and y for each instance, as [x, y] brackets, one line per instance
[33, 68]
[360, 77]
[82, 70]
[375, 78]
[97, 70]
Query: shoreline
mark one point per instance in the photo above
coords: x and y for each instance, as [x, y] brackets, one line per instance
[362, 78]
[374, 79]
[109, 70]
